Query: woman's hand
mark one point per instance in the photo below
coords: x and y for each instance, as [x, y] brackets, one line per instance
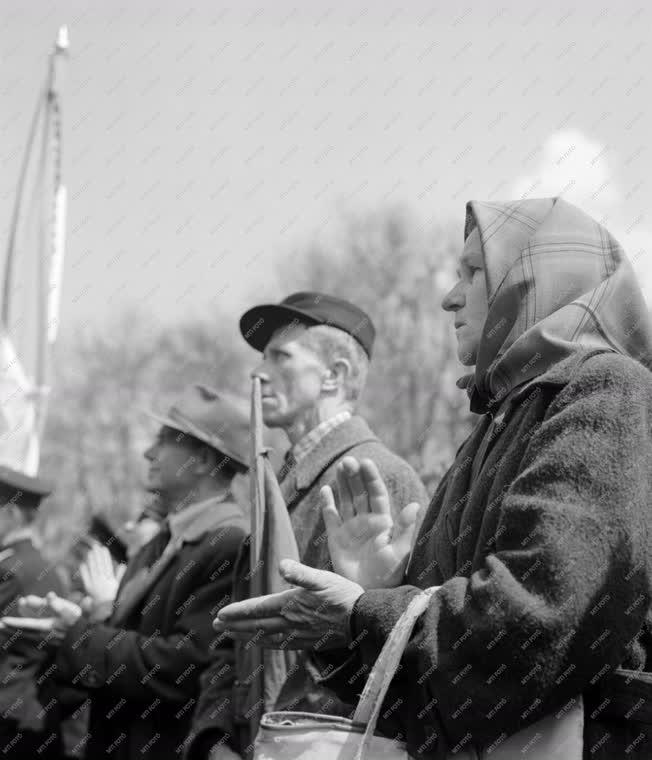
[314, 615]
[366, 543]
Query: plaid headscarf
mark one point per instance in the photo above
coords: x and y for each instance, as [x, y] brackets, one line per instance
[557, 281]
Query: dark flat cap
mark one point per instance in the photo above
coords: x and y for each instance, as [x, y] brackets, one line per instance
[21, 489]
[259, 323]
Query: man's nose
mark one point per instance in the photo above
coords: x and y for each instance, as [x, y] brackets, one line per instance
[150, 453]
[260, 372]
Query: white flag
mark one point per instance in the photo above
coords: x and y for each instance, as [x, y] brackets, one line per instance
[32, 280]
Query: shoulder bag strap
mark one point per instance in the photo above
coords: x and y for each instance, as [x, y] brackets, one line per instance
[385, 668]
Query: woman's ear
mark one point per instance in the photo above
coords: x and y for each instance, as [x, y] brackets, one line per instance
[336, 375]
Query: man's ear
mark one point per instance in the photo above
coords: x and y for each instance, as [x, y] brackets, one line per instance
[15, 514]
[205, 460]
[336, 375]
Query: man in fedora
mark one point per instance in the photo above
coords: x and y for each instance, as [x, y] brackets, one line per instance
[141, 667]
[316, 350]
[28, 722]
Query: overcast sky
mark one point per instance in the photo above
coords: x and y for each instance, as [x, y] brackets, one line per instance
[204, 140]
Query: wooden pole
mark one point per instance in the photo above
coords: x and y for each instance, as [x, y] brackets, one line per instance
[256, 568]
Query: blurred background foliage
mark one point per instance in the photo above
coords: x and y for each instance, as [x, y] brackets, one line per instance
[394, 268]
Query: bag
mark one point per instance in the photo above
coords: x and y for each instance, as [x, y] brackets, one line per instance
[307, 736]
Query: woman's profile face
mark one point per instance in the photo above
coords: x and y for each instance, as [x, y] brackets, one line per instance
[467, 300]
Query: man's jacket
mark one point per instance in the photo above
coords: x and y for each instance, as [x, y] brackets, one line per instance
[223, 710]
[28, 705]
[141, 668]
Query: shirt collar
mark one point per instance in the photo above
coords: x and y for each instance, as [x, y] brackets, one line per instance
[306, 444]
[199, 518]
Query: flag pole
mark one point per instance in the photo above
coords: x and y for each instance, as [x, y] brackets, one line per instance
[53, 232]
[60, 197]
[15, 216]
[257, 483]
[256, 571]
[25, 378]
[47, 94]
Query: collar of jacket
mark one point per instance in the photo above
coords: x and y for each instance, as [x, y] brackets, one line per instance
[556, 375]
[193, 522]
[349, 433]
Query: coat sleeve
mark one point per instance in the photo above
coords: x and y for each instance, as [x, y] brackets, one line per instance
[30, 645]
[563, 595]
[213, 717]
[212, 721]
[403, 484]
[129, 664]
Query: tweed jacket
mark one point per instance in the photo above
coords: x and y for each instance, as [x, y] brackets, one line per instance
[223, 706]
[544, 559]
[141, 668]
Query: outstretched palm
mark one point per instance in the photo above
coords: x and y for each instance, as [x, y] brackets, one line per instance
[367, 544]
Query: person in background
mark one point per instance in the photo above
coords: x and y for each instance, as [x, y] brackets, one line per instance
[316, 352]
[105, 560]
[101, 532]
[142, 530]
[140, 667]
[28, 714]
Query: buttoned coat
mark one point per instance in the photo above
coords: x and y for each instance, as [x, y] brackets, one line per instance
[222, 711]
[141, 668]
[540, 537]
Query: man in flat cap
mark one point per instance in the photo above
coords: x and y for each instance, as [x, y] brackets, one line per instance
[28, 721]
[141, 667]
[316, 351]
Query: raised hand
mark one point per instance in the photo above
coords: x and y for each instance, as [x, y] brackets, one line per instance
[101, 580]
[367, 544]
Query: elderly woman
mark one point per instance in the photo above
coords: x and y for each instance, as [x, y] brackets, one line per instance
[539, 536]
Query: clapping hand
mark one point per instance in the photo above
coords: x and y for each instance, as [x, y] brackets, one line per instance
[101, 581]
[367, 544]
[312, 615]
[369, 548]
[50, 613]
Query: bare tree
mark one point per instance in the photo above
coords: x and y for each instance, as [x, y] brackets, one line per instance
[97, 430]
[105, 378]
[398, 272]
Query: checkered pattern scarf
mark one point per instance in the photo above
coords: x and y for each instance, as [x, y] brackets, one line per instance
[557, 281]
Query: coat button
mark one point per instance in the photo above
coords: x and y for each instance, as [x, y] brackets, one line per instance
[93, 679]
[236, 682]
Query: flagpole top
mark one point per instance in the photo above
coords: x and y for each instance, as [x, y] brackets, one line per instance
[63, 42]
